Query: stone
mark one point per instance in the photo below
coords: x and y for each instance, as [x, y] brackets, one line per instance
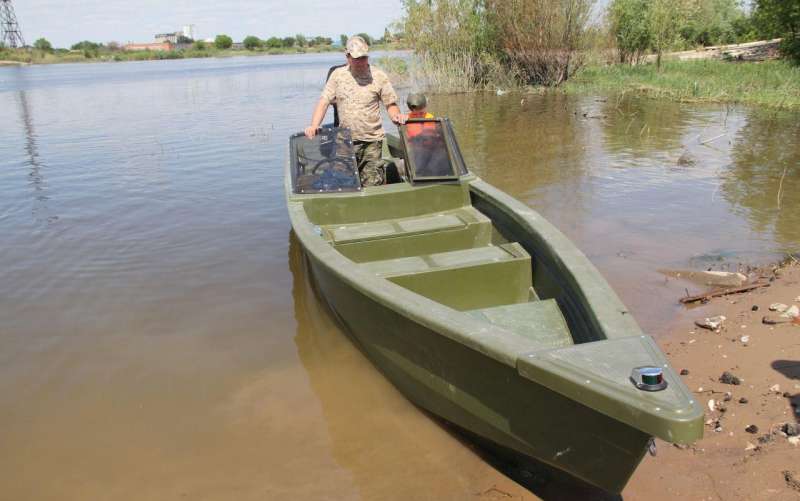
[750, 447]
[775, 388]
[776, 320]
[792, 312]
[794, 440]
[791, 429]
[711, 323]
[752, 429]
[744, 339]
[779, 307]
[684, 372]
[729, 378]
[754, 308]
[743, 400]
[728, 396]
[711, 405]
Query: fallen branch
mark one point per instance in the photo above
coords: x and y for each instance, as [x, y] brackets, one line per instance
[780, 188]
[722, 292]
[713, 138]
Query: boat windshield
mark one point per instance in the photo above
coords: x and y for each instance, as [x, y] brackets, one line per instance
[325, 163]
[432, 153]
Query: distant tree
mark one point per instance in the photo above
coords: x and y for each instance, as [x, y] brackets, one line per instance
[43, 44]
[252, 42]
[113, 46]
[199, 45]
[223, 42]
[366, 38]
[630, 26]
[780, 18]
[289, 41]
[86, 45]
[343, 39]
[275, 43]
[184, 39]
[301, 40]
[387, 36]
[322, 41]
[665, 19]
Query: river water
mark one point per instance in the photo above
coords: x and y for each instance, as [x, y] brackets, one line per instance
[159, 338]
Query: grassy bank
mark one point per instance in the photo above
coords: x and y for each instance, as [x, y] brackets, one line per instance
[774, 84]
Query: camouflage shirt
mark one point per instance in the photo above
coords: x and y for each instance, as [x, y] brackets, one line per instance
[358, 100]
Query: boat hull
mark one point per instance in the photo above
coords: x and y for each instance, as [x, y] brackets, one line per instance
[482, 395]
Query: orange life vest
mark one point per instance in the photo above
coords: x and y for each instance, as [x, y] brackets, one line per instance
[415, 129]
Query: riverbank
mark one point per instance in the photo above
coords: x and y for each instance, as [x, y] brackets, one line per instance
[773, 84]
[15, 57]
[746, 453]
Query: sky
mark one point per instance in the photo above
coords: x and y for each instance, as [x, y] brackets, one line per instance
[64, 23]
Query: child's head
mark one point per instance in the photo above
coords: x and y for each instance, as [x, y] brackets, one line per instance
[417, 102]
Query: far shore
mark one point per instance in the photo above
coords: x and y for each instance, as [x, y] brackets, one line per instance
[60, 56]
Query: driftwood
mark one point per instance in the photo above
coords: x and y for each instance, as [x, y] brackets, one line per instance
[722, 292]
[751, 51]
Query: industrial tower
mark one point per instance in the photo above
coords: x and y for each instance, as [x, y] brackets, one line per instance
[12, 36]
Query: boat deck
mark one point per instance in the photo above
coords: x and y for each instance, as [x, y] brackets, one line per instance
[453, 255]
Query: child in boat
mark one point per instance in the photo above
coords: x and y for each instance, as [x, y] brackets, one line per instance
[418, 108]
[430, 152]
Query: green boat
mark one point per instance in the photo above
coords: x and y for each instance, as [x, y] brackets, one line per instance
[479, 310]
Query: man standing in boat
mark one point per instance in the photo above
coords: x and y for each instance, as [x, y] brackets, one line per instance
[358, 90]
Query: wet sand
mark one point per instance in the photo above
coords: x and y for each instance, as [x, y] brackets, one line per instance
[729, 462]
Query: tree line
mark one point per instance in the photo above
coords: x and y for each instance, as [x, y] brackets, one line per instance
[223, 42]
[478, 43]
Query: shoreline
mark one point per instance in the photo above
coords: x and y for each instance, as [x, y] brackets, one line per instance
[77, 57]
[745, 452]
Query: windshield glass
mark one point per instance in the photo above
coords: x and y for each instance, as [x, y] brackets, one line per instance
[427, 150]
[325, 163]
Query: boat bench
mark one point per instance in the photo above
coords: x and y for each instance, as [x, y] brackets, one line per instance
[463, 279]
[539, 321]
[461, 228]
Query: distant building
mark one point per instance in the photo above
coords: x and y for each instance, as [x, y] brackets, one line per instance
[149, 46]
[168, 37]
[188, 31]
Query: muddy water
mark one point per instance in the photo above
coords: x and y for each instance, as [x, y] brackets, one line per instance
[159, 337]
[643, 185]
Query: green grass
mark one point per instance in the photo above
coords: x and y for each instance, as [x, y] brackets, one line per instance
[774, 84]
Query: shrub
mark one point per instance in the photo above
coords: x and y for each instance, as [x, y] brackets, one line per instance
[252, 42]
[43, 45]
[223, 42]
[274, 43]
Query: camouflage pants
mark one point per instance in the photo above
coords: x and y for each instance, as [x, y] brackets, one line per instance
[369, 156]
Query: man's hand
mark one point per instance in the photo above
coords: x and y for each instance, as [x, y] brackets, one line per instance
[311, 131]
[399, 118]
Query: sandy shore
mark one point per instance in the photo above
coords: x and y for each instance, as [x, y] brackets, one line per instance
[744, 453]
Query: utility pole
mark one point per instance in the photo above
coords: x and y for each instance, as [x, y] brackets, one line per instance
[12, 36]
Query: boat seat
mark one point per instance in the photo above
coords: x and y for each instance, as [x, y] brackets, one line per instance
[398, 238]
[463, 279]
[539, 321]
